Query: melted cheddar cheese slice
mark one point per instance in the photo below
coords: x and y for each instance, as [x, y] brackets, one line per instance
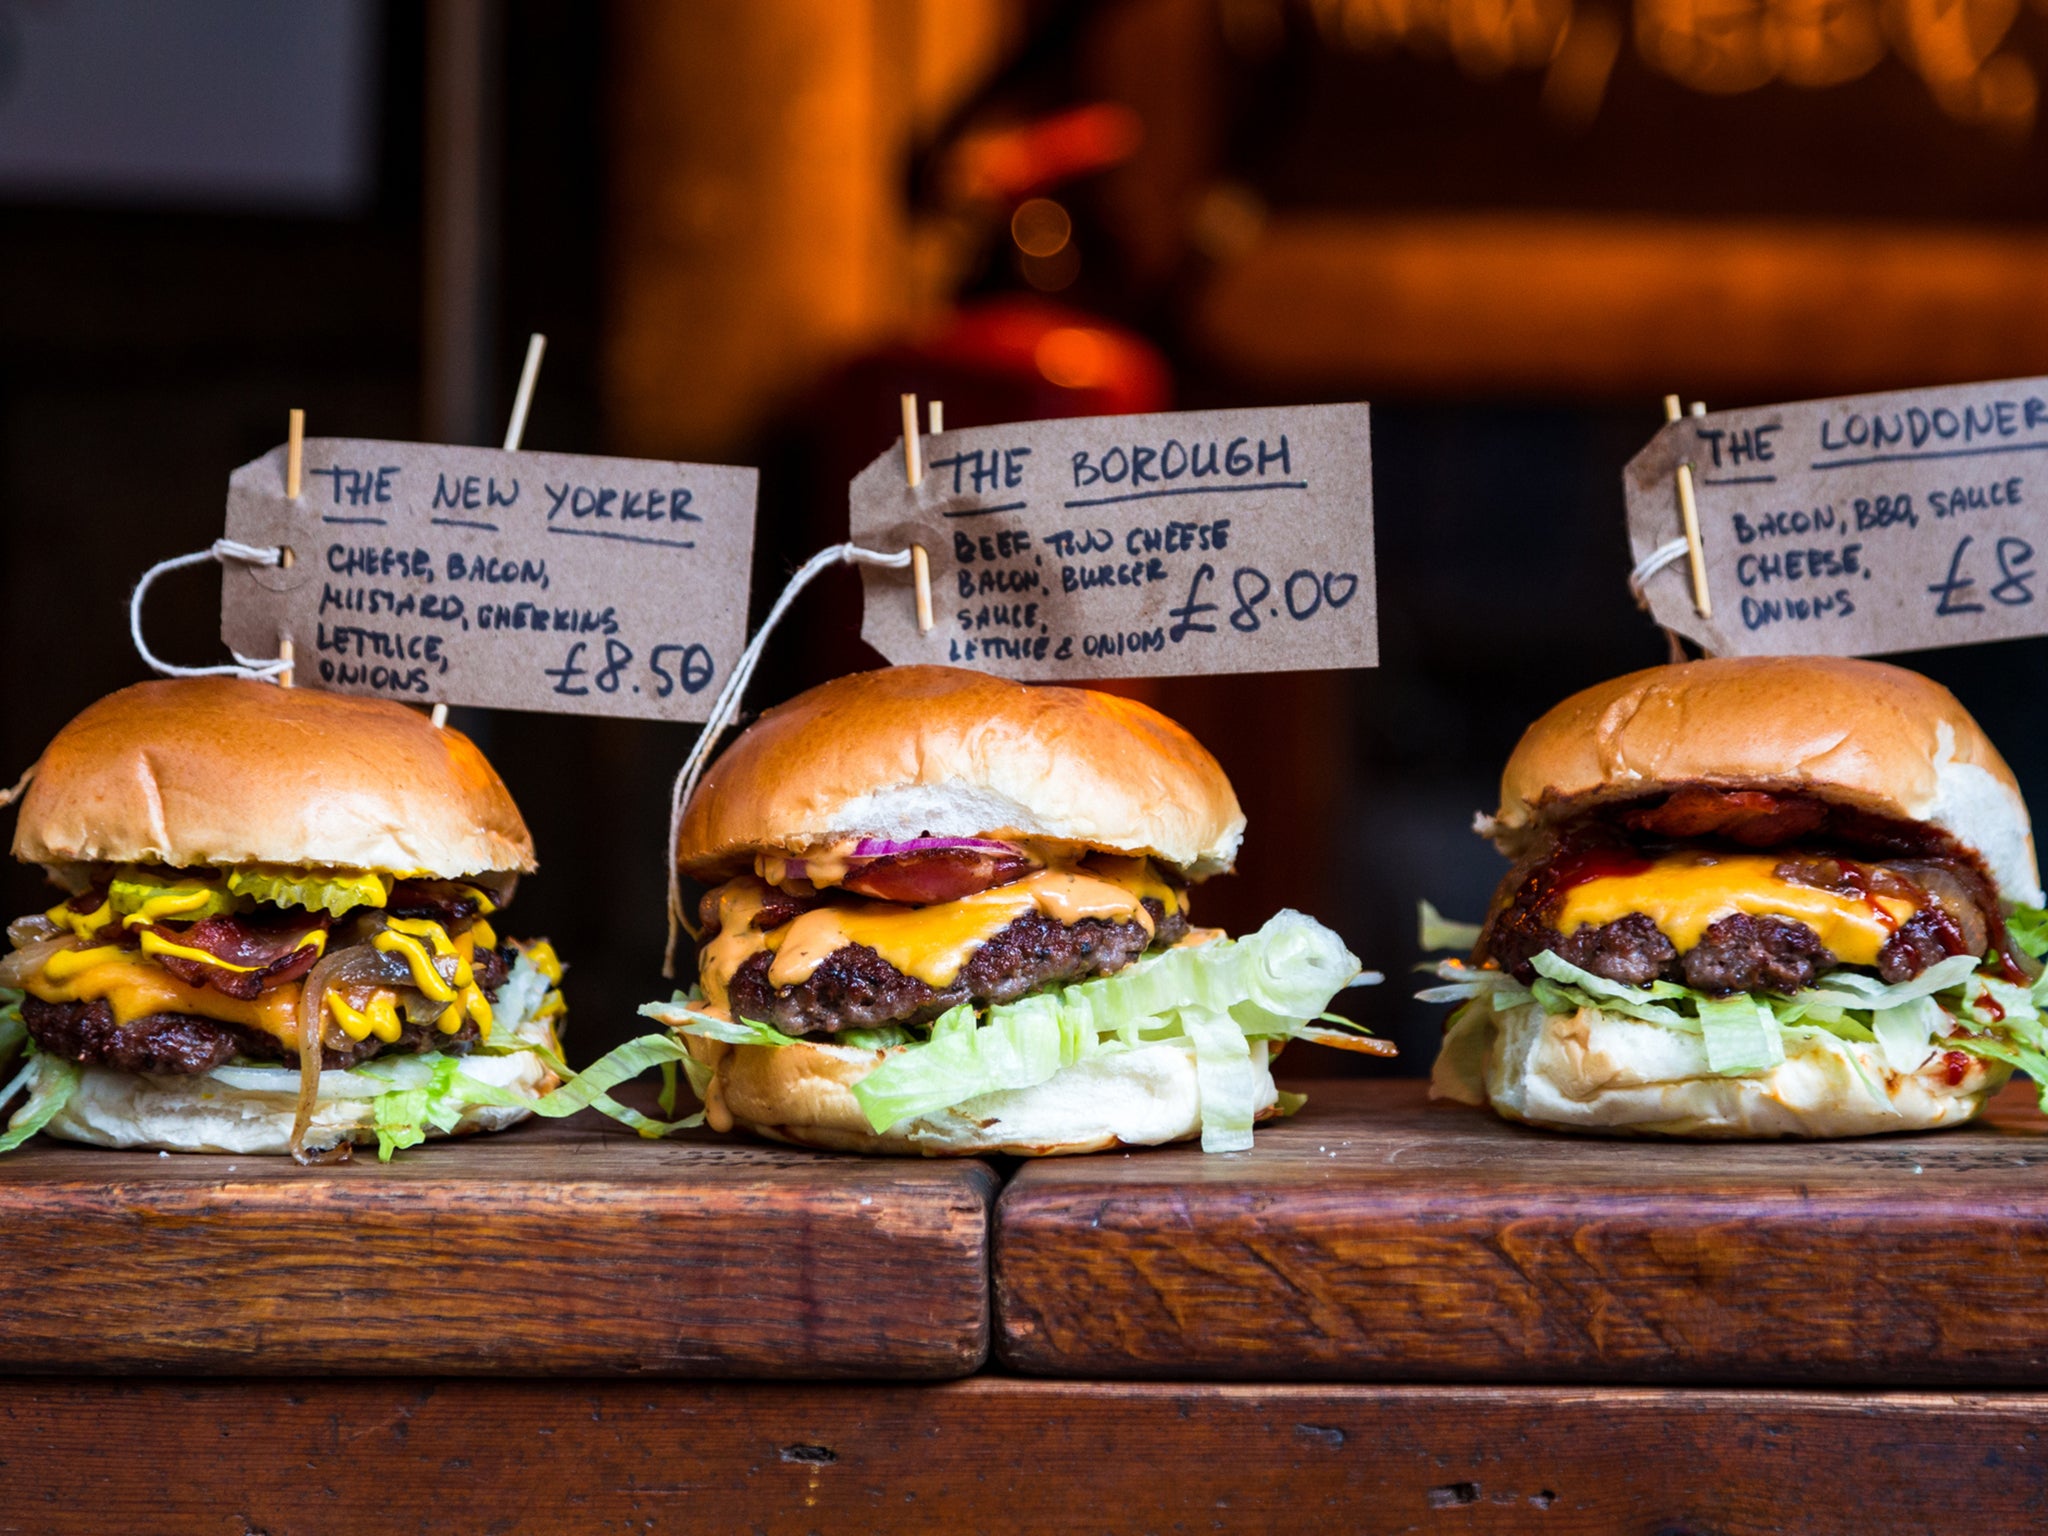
[931, 943]
[1686, 894]
[135, 987]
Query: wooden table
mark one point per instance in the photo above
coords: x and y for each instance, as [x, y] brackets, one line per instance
[1377, 1237]
[996, 1455]
[523, 1334]
[558, 1248]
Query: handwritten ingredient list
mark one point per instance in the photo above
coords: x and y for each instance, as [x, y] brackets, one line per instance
[1131, 546]
[540, 581]
[1856, 526]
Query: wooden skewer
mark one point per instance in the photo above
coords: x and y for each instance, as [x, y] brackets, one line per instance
[913, 472]
[294, 478]
[294, 453]
[440, 716]
[1689, 514]
[937, 411]
[913, 463]
[529, 376]
[921, 576]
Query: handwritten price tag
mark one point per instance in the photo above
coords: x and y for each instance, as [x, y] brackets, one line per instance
[540, 581]
[1132, 546]
[1856, 526]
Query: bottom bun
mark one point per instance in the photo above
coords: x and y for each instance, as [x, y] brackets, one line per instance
[201, 1114]
[804, 1094]
[1608, 1074]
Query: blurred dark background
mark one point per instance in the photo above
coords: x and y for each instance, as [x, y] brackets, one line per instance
[744, 225]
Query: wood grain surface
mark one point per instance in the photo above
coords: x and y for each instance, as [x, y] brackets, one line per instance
[1001, 1455]
[567, 1247]
[1378, 1237]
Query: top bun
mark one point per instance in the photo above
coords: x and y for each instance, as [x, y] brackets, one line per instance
[911, 752]
[1857, 733]
[223, 770]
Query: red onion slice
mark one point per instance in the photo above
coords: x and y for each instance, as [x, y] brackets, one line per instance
[882, 848]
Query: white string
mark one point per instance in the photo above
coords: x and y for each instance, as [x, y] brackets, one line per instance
[258, 667]
[727, 707]
[1653, 562]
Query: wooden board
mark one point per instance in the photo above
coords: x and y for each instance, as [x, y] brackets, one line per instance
[1377, 1237]
[1000, 1455]
[569, 1247]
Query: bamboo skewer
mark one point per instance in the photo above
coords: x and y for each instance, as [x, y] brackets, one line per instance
[294, 453]
[1689, 515]
[294, 481]
[913, 464]
[913, 475]
[522, 402]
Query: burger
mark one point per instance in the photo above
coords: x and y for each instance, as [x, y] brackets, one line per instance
[949, 914]
[277, 929]
[1753, 898]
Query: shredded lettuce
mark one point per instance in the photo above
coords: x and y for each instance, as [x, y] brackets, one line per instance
[2029, 929]
[1440, 933]
[683, 1015]
[13, 1033]
[1021, 1045]
[591, 1087]
[1221, 1002]
[1741, 1035]
[403, 1115]
[50, 1081]
[1227, 1078]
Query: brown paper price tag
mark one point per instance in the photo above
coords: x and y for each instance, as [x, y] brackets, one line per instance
[1856, 526]
[1131, 546]
[544, 581]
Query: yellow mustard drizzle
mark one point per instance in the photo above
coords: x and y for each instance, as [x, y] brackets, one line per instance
[541, 955]
[377, 1017]
[177, 903]
[68, 964]
[410, 938]
[84, 924]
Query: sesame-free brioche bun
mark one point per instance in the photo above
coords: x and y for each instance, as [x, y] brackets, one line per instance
[803, 1094]
[1594, 1071]
[1858, 733]
[225, 771]
[908, 752]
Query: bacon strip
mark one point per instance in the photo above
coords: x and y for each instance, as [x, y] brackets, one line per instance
[269, 945]
[935, 874]
[1754, 818]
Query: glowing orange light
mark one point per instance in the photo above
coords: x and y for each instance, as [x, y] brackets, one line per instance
[1041, 227]
[1074, 357]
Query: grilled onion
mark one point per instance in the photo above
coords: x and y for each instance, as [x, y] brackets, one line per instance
[24, 931]
[339, 968]
[18, 967]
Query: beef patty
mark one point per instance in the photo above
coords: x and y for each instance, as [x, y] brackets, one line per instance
[1958, 914]
[855, 988]
[178, 1044]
